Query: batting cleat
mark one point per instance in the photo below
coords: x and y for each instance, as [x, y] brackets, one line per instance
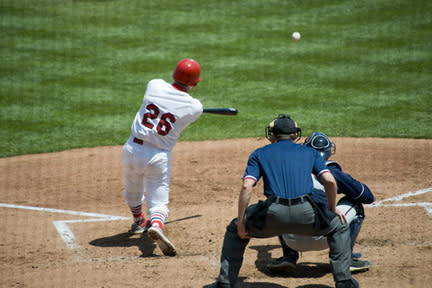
[140, 228]
[357, 265]
[282, 264]
[168, 249]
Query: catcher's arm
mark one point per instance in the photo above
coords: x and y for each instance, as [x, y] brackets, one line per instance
[351, 187]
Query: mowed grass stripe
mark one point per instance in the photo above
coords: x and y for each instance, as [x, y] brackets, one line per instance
[73, 73]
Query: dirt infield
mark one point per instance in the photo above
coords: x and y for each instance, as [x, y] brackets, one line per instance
[57, 229]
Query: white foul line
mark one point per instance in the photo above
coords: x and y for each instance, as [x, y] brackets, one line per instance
[406, 195]
[62, 225]
[426, 205]
[70, 240]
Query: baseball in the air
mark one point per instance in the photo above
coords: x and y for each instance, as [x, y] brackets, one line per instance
[296, 36]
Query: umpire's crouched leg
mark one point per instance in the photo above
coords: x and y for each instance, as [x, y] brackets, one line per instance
[232, 256]
[340, 250]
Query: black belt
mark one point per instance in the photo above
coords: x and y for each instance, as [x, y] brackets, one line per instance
[138, 141]
[289, 202]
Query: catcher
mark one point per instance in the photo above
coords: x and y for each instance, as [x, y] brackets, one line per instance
[356, 194]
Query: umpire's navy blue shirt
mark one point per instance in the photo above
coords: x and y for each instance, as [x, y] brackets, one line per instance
[286, 168]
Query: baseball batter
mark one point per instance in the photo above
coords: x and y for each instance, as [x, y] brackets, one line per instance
[167, 109]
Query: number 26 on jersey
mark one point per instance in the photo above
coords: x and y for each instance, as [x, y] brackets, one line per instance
[164, 123]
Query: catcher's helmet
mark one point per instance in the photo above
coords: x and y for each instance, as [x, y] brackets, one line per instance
[320, 142]
[187, 72]
[282, 127]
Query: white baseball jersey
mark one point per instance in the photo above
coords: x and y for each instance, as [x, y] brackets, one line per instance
[163, 115]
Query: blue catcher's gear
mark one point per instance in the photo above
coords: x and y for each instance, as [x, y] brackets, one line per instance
[320, 142]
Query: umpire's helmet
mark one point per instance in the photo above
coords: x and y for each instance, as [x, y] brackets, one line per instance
[187, 72]
[283, 127]
[320, 142]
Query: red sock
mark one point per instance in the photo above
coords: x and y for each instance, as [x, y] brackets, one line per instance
[137, 214]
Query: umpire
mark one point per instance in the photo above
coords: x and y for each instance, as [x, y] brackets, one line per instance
[286, 169]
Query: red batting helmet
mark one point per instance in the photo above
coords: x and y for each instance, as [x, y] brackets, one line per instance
[187, 72]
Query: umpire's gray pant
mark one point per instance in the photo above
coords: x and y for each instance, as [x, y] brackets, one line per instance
[281, 219]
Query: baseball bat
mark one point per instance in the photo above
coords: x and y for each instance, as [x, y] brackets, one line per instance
[221, 111]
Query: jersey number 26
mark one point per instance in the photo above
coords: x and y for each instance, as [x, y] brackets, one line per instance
[164, 125]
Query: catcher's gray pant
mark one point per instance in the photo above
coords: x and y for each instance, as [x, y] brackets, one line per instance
[281, 219]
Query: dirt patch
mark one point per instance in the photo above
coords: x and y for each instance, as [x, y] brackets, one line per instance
[395, 238]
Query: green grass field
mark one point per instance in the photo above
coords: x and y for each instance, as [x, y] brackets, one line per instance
[73, 73]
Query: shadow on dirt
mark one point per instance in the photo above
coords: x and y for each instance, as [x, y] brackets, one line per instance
[242, 284]
[144, 243]
[184, 218]
[303, 269]
[314, 286]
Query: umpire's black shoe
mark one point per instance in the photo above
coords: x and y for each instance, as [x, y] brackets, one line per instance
[282, 264]
[357, 265]
[352, 283]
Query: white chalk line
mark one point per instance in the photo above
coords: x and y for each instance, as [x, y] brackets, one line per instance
[406, 195]
[70, 212]
[69, 238]
[426, 205]
[62, 225]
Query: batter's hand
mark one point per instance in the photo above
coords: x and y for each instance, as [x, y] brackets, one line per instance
[242, 231]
